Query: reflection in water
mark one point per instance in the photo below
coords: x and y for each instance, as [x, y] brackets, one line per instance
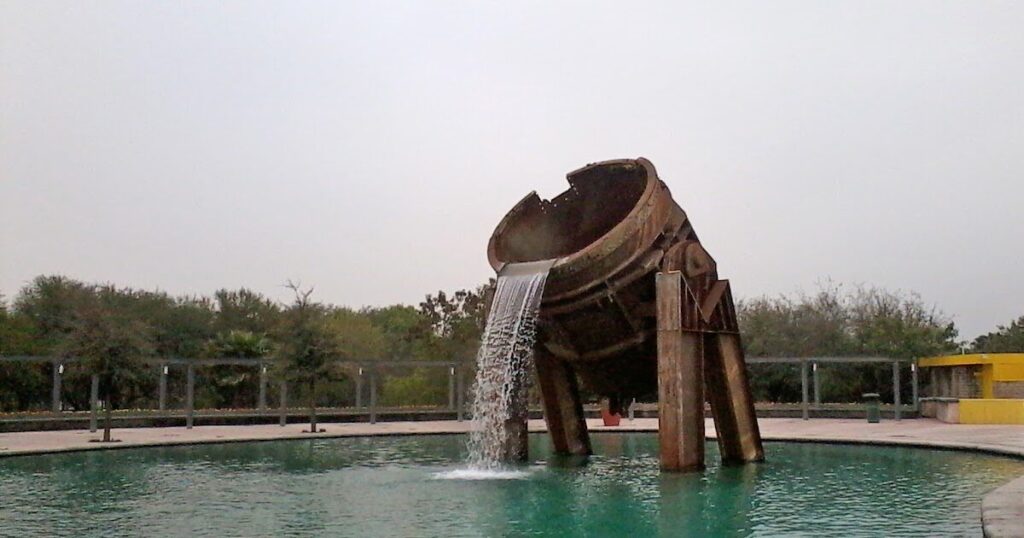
[388, 487]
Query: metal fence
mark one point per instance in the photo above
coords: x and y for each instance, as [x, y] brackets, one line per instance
[364, 373]
[367, 374]
[809, 367]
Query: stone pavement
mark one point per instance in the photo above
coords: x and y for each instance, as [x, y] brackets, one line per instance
[1002, 510]
[922, 432]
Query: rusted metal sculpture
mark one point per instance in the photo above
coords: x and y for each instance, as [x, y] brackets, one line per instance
[632, 307]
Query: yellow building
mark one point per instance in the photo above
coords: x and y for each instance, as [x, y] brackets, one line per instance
[976, 389]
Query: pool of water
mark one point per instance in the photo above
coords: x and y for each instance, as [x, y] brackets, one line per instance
[416, 486]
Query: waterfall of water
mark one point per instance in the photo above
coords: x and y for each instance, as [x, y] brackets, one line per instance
[503, 364]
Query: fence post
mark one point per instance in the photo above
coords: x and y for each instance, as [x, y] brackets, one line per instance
[804, 389]
[896, 388]
[283, 404]
[190, 390]
[163, 387]
[632, 409]
[359, 389]
[94, 395]
[373, 396]
[451, 387]
[55, 394]
[262, 402]
[817, 385]
[913, 385]
[460, 394]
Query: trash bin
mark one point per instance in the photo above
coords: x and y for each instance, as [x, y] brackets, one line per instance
[872, 403]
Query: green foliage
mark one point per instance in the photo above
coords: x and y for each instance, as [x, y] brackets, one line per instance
[421, 388]
[406, 331]
[109, 343]
[307, 345]
[1006, 339]
[457, 321]
[245, 310]
[864, 322]
[50, 315]
[357, 336]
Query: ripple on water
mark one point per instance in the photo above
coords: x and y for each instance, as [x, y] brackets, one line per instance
[419, 486]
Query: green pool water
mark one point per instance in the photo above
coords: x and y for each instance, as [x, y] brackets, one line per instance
[397, 486]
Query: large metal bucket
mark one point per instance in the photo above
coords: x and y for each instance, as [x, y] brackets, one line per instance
[609, 233]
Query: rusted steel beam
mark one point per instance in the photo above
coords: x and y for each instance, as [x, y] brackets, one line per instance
[563, 407]
[680, 384]
[725, 374]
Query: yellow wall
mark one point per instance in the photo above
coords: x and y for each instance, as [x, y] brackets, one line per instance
[994, 367]
[989, 411]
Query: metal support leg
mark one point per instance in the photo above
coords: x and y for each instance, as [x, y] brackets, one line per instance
[94, 396]
[563, 407]
[896, 389]
[283, 404]
[55, 393]
[190, 390]
[680, 387]
[803, 390]
[728, 391]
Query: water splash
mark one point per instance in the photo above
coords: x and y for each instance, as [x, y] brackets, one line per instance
[482, 474]
[503, 365]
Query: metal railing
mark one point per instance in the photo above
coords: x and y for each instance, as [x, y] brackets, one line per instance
[369, 372]
[362, 372]
[811, 364]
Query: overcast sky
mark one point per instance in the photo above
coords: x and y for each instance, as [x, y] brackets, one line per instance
[370, 148]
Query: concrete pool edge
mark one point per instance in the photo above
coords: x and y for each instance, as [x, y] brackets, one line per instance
[1001, 514]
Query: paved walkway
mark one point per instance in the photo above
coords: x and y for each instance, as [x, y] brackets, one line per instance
[923, 432]
[1002, 509]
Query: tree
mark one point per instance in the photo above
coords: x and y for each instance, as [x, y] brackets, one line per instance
[229, 382]
[1006, 339]
[833, 322]
[110, 344]
[307, 345]
[458, 321]
[245, 310]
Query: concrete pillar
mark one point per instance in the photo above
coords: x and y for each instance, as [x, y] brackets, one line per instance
[914, 387]
[190, 389]
[563, 407]
[56, 389]
[94, 396]
[680, 383]
[804, 404]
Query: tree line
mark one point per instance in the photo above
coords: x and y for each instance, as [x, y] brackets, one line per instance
[59, 316]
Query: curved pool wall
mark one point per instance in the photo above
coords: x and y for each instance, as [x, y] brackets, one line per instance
[396, 487]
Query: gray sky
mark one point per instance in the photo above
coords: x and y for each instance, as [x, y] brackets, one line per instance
[370, 148]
